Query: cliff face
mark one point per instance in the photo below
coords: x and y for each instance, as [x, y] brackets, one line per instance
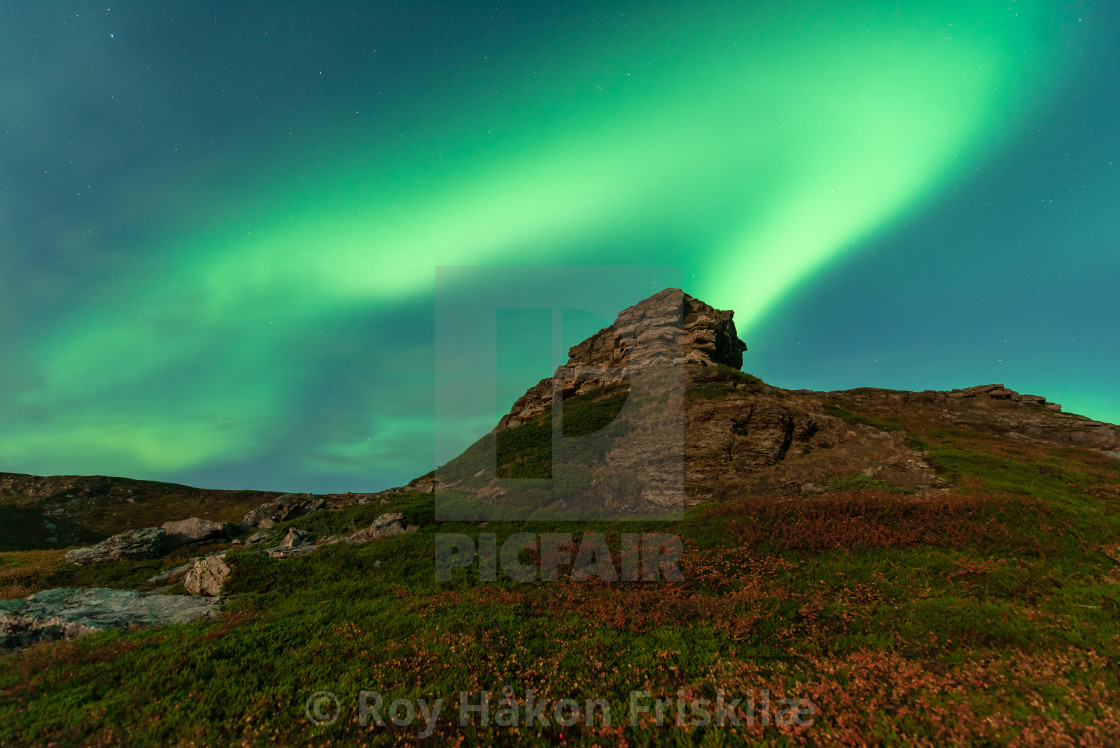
[668, 327]
[666, 330]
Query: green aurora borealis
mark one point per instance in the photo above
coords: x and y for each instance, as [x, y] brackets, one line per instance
[223, 225]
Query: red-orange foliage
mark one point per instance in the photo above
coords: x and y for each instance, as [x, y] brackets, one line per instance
[874, 519]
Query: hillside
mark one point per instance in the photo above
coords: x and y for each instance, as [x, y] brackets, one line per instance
[77, 509]
[921, 567]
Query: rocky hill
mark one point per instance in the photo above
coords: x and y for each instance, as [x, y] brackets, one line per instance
[660, 392]
[64, 510]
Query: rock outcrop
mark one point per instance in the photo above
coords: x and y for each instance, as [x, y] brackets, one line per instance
[194, 530]
[152, 542]
[1002, 393]
[668, 327]
[663, 331]
[287, 507]
[148, 542]
[295, 543]
[206, 576]
[387, 525]
[997, 410]
[66, 613]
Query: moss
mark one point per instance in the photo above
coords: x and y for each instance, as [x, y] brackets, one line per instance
[863, 482]
[719, 382]
[861, 419]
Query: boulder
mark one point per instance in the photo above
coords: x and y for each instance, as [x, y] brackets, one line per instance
[206, 576]
[149, 542]
[195, 530]
[66, 613]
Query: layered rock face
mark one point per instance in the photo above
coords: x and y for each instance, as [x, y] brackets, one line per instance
[668, 327]
[654, 336]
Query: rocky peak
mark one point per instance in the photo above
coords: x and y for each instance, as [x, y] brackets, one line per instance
[667, 329]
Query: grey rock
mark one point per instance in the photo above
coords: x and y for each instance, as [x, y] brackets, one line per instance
[195, 530]
[296, 543]
[296, 537]
[171, 576]
[299, 550]
[206, 576]
[385, 526]
[149, 542]
[287, 507]
[1113, 455]
[664, 330]
[387, 519]
[260, 536]
[389, 530]
[66, 613]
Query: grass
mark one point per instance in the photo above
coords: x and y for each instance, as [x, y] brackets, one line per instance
[863, 482]
[719, 382]
[861, 419]
[526, 451]
[988, 614]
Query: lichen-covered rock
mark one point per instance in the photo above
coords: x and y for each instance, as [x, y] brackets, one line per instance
[207, 575]
[148, 542]
[66, 613]
[195, 530]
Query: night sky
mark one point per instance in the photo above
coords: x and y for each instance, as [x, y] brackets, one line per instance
[220, 223]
